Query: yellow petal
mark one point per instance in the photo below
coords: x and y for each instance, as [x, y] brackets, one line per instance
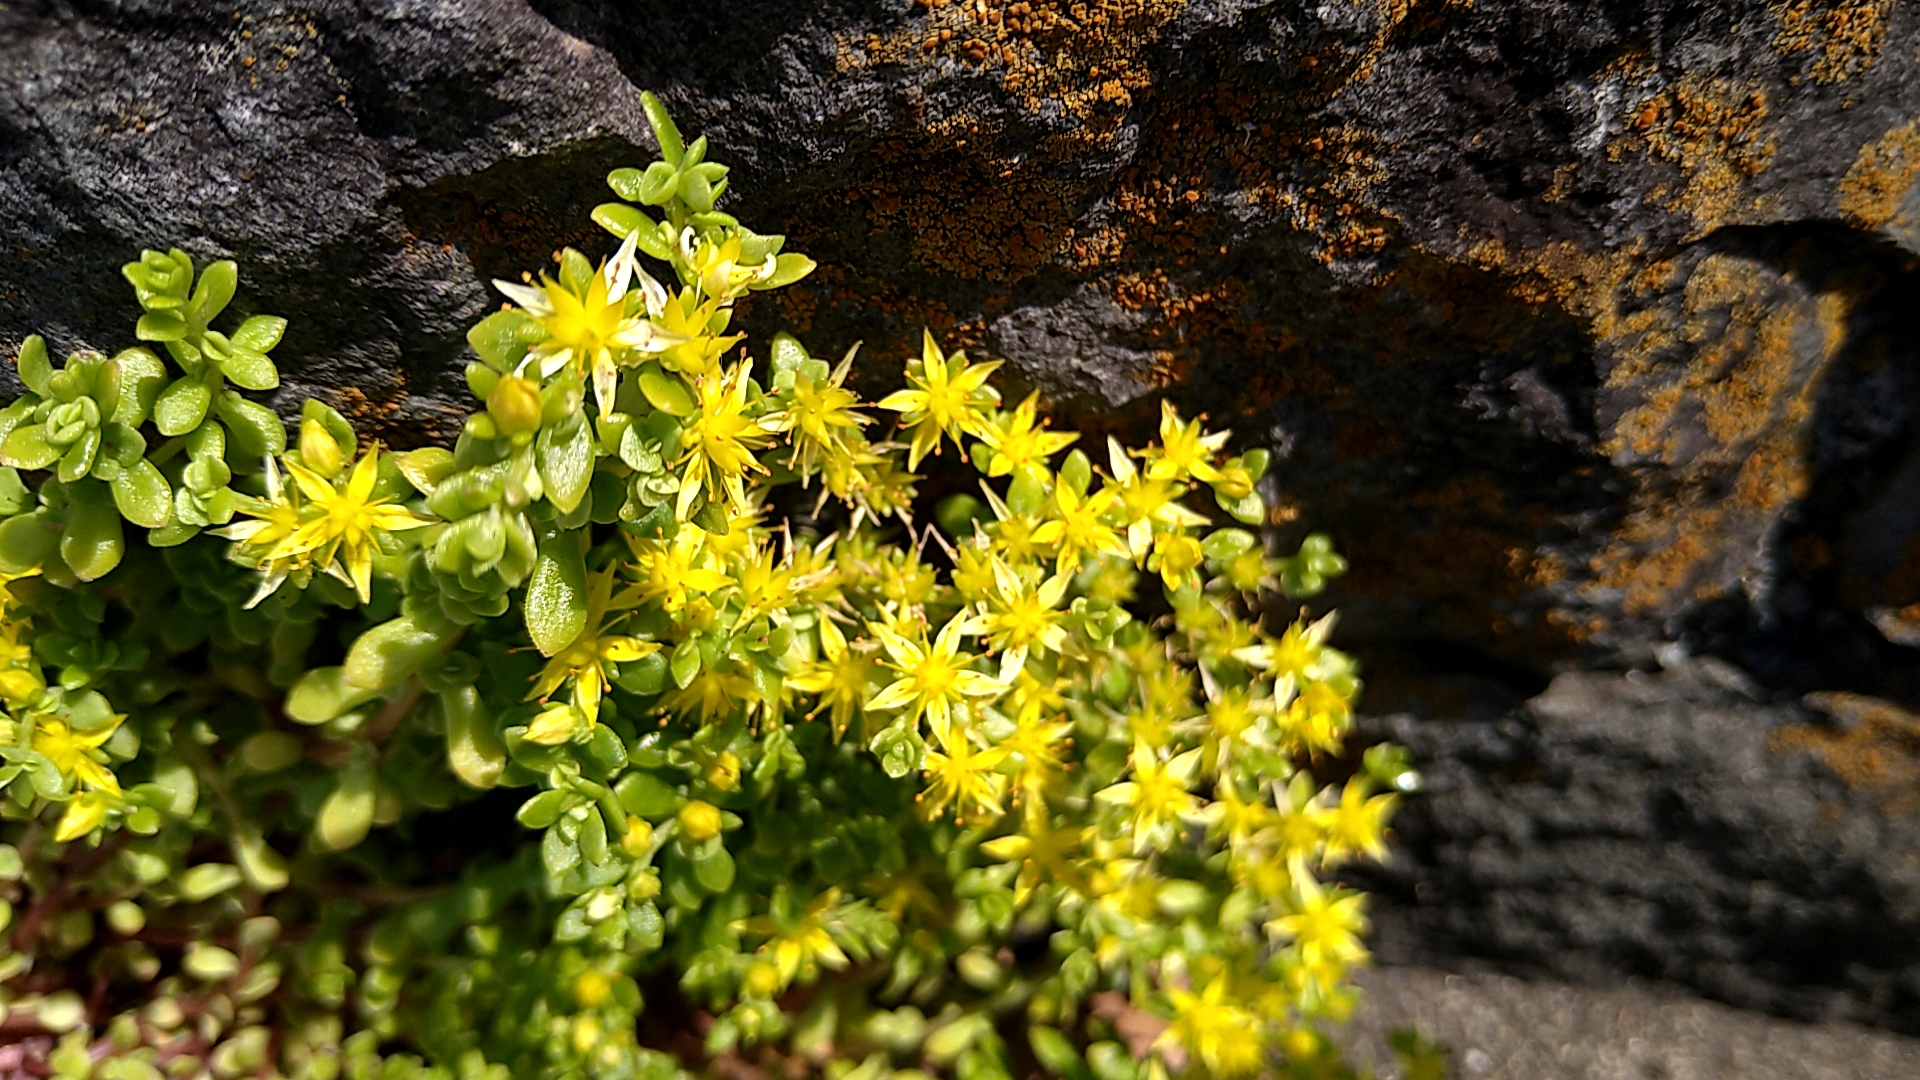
[622, 650]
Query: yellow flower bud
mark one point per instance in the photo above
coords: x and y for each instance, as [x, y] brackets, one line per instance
[555, 725]
[19, 686]
[515, 405]
[592, 989]
[638, 838]
[762, 979]
[586, 1034]
[700, 820]
[725, 773]
[644, 887]
[319, 450]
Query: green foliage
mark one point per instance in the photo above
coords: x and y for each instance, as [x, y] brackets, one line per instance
[858, 793]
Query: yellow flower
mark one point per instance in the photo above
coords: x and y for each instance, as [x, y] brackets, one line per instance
[1016, 441]
[1015, 536]
[673, 571]
[1076, 528]
[1157, 794]
[1147, 501]
[1233, 718]
[1237, 819]
[973, 562]
[720, 440]
[1185, 450]
[1035, 746]
[1216, 1030]
[713, 696]
[818, 416]
[798, 951]
[716, 268]
[586, 661]
[1177, 556]
[275, 519]
[1316, 719]
[764, 580]
[964, 778]
[1018, 617]
[933, 677]
[20, 677]
[946, 398]
[841, 676]
[1047, 856]
[1325, 924]
[592, 330]
[340, 523]
[1358, 824]
[85, 813]
[76, 753]
[1299, 652]
[692, 319]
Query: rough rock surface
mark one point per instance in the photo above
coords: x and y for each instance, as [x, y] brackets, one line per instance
[1584, 325]
[1500, 1028]
[1666, 825]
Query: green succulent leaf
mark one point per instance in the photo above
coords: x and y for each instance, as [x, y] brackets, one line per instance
[556, 602]
[215, 290]
[143, 496]
[160, 326]
[249, 369]
[565, 454]
[254, 429]
[36, 371]
[324, 693]
[182, 406]
[26, 447]
[93, 541]
[387, 654]
[664, 131]
[347, 815]
[27, 541]
[259, 333]
[475, 751]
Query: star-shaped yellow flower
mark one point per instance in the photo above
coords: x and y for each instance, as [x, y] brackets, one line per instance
[933, 677]
[947, 396]
[341, 522]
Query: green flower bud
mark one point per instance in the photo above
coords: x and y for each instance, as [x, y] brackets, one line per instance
[515, 405]
[318, 450]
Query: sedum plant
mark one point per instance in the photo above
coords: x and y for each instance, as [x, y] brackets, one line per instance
[659, 725]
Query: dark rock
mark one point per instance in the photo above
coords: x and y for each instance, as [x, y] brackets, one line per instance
[1661, 825]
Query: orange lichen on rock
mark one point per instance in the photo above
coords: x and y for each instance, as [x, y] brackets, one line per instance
[1726, 387]
[1848, 34]
[1080, 57]
[1874, 746]
[964, 212]
[1713, 130]
[1881, 177]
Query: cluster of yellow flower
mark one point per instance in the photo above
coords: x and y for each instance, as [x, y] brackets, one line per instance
[54, 737]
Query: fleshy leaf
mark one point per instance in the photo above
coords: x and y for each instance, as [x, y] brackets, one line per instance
[557, 594]
[143, 496]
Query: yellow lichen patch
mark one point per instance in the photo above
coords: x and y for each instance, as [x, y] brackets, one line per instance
[1725, 383]
[1881, 177]
[1848, 34]
[1713, 130]
[1876, 747]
